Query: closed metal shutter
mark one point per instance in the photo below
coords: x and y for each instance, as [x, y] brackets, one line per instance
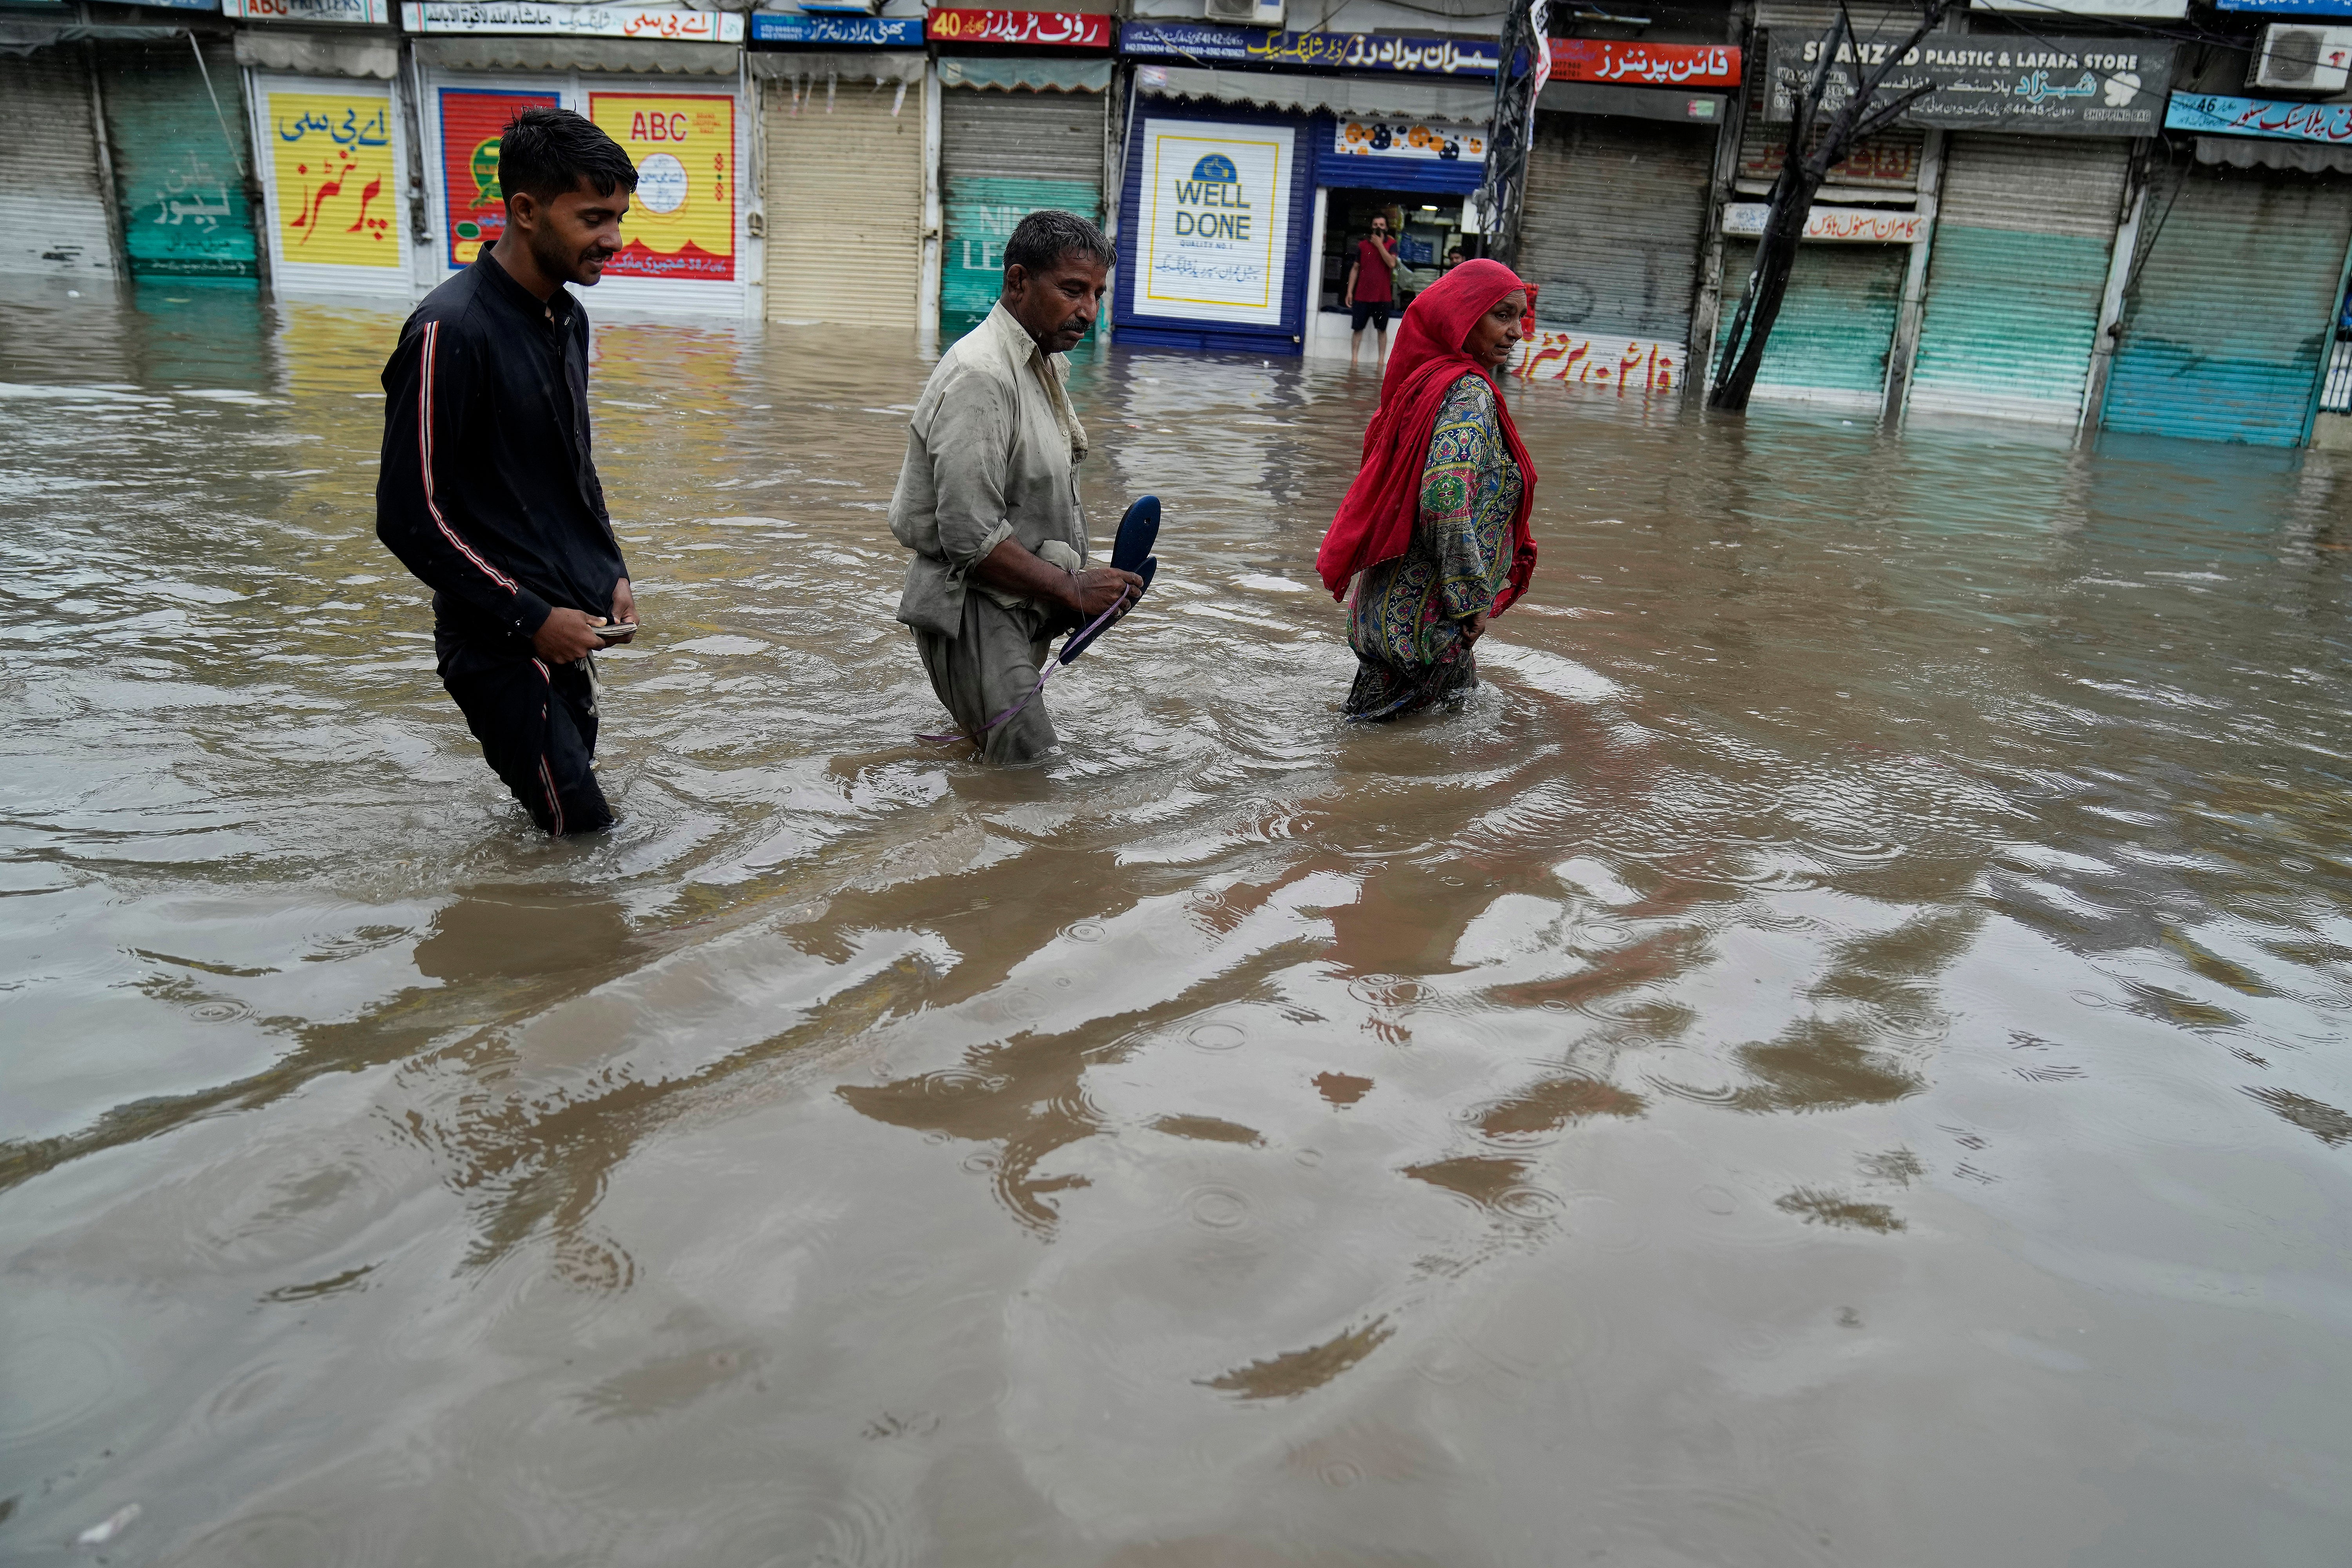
[1611, 236]
[1003, 155]
[844, 204]
[2228, 318]
[179, 171]
[2024, 226]
[1837, 319]
[52, 213]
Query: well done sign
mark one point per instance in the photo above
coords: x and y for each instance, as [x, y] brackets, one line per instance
[1216, 220]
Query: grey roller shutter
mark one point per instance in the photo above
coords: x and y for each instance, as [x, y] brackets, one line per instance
[2227, 316]
[52, 210]
[1003, 155]
[844, 194]
[1612, 228]
[2025, 228]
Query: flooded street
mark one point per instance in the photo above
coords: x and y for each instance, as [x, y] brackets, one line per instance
[1834, 1056]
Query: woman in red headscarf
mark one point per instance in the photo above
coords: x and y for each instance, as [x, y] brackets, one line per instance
[1431, 540]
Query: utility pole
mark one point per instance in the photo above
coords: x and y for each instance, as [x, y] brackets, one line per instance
[1503, 195]
[1800, 178]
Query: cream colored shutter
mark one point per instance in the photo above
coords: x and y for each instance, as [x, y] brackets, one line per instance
[845, 203]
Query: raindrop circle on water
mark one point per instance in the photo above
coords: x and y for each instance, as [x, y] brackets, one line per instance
[1341, 1474]
[1083, 931]
[1216, 1036]
[220, 1009]
[1217, 1207]
[1528, 1203]
[1715, 1199]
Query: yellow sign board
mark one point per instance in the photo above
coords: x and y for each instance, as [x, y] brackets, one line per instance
[681, 224]
[334, 193]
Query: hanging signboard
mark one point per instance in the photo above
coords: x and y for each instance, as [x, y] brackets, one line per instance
[2219, 115]
[836, 31]
[1856, 225]
[1194, 42]
[570, 21]
[1215, 228]
[330, 155]
[2146, 10]
[474, 211]
[353, 13]
[1645, 65]
[682, 222]
[1052, 30]
[1435, 140]
[2048, 86]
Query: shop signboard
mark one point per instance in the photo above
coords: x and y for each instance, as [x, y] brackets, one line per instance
[682, 224]
[183, 4]
[472, 119]
[1645, 65]
[2044, 86]
[1215, 221]
[1433, 140]
[1880, 163]
[351, 12]
[2219, 116]
[1048, 29]
[2290, 7]
[2145, 10]
[1193, 43]
[333, 191]
[1856, 225]
[834, 30]
[571, 21]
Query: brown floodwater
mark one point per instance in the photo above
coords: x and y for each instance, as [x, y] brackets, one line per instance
[1834, 1056]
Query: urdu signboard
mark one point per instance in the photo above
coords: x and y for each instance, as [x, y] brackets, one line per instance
[1194, 42]
[2216, 115]
[2048, 86]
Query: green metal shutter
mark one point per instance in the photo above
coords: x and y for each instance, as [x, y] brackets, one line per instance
[1615, 212]
[2024, 226]
[1836, 321]
[52, 213]
[2227, 316]
[1003, 155]
[179, 165]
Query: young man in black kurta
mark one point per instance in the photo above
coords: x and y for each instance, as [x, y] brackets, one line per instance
[487, 490]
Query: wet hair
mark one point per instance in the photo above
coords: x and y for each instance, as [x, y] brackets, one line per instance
[1043, 238]
[548, 152]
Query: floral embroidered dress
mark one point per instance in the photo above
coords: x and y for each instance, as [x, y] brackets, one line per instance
[1403, 620]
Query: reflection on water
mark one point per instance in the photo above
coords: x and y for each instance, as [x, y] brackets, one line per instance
[1832, 1057]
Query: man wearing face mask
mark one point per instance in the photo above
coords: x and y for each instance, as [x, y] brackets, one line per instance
[486, 491]
[988, 496]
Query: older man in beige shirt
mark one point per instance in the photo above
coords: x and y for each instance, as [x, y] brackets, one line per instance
[988, 498]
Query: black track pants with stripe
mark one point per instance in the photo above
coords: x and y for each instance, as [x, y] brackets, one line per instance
[536, 724]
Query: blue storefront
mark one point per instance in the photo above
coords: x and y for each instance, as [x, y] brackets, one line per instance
[1246, 186]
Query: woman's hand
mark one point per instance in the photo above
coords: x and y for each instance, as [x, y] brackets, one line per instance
[1473, 628]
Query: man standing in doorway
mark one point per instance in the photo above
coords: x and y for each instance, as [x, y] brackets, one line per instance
[988, 497]
[486, 491]
[1371, 288]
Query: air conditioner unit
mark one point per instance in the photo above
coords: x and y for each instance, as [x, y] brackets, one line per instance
[2296, 58]
[1253, 12]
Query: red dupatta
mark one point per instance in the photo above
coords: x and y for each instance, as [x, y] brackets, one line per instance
[1375, 519]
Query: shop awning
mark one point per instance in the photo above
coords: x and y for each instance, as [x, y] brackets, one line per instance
[477, 52]
[24, 37]
[1336, 95]
[1025, 76]
[876, 66]
[2262, 153]
[317, 54]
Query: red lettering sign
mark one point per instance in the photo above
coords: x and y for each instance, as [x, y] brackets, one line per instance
[1645, 65]
[1054, 29]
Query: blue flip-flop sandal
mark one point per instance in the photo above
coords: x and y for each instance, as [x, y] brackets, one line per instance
[1139, 531]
